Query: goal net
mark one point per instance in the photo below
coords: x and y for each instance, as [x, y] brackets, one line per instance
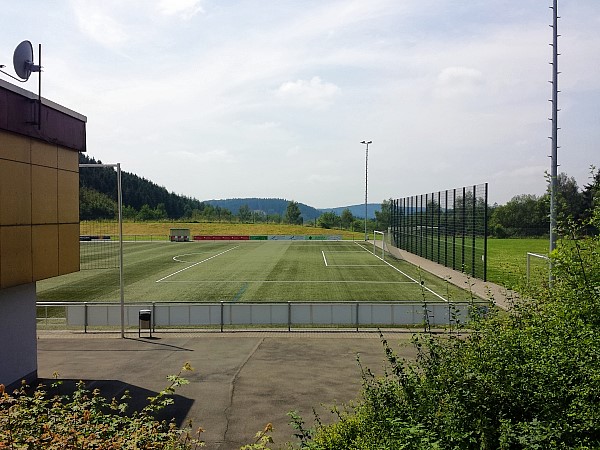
[538, 268]
[379, 245]
[99, 218]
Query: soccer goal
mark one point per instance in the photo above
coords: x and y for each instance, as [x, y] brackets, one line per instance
[96, 240]
[537, 265]
[381, 239]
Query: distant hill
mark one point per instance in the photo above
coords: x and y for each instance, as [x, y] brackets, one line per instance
[267, 205]
[98, 195]
[279, 206]
[356, 210]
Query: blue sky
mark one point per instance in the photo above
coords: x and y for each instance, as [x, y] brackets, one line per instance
[247, 98]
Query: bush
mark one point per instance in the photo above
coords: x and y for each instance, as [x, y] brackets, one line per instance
[523, 380]
[34, 419]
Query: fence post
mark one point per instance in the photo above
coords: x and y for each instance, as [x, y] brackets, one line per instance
[289, 316]
[154, 317]
[357, 322]
[85, 316]
[221, 316]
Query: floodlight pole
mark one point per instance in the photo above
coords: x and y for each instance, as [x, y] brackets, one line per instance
[366, 183]
[554, 156]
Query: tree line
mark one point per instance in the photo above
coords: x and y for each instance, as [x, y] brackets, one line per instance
[525, 215]
[528, 215]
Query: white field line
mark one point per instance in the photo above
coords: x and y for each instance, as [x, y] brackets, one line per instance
[346, 265]
[195, 264]
[176, 258]
[291, 281]
[407, 276]
[356, 265]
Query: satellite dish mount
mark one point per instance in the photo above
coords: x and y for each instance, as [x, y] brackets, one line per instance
[24, 66]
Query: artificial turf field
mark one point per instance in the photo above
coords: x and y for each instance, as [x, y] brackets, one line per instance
[248, 271]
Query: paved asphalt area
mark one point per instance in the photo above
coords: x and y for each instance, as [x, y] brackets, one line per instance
[241, 381]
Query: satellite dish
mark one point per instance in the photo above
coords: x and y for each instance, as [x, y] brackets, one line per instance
[23, 60]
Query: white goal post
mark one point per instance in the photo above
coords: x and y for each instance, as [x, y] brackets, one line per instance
[120, 221]
[535, 255]
[382, 234]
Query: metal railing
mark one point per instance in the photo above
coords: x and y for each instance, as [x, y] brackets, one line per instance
[221, 315]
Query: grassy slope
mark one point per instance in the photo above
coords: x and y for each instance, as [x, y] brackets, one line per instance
[162, 229]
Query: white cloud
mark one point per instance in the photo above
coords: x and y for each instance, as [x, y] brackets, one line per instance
[100, 26]
[458, 81]
[185, 9]
[211, 156]
[313, 93]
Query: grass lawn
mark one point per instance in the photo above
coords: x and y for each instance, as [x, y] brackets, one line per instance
[507, 260]
[249, 271]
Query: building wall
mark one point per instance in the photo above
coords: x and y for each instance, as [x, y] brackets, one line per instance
[18, 352]
[39, 210]
[39, 215]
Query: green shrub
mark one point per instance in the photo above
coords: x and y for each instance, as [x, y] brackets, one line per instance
[525, 380]
[34, 419]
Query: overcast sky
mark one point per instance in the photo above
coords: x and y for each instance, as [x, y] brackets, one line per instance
[271, 98]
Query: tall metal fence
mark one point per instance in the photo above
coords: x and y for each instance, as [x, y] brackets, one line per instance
[448, 227]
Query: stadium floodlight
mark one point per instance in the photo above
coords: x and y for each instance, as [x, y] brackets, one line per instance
[366, 183]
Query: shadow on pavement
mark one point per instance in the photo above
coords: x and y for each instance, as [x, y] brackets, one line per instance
[110, 389]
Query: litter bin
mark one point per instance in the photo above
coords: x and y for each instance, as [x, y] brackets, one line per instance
[145, 321]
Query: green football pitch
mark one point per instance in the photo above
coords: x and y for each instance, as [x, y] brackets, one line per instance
[247, 271]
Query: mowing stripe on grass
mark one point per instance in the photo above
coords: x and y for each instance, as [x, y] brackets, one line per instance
[195, 264]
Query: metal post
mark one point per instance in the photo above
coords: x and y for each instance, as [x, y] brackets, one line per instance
[357, 321]
[485, 233]
[554, 156]
[289, 316]
[366, 183]
[121, 280]
[221, 316]
[85, 317]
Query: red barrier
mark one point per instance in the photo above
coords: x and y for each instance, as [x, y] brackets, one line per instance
[221, 238]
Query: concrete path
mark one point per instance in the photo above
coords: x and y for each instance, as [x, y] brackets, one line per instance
[241, 380]
[483, 289]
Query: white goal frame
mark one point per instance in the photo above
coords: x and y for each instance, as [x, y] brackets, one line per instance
[535, 255]
[382, 234]
[120, 214]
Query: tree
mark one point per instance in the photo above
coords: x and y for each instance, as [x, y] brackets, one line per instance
[328, 220]
[347, 218]
[244, 213]
[293, 216]
[523, 215]
[383, 217]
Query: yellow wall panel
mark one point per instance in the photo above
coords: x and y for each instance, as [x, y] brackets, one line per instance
[44, 197]
[16, 256]
[44, 240]
[68, 160]
[68, 197]
[15, 147]
[68, 248]
[44, 154]
[15, 193]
